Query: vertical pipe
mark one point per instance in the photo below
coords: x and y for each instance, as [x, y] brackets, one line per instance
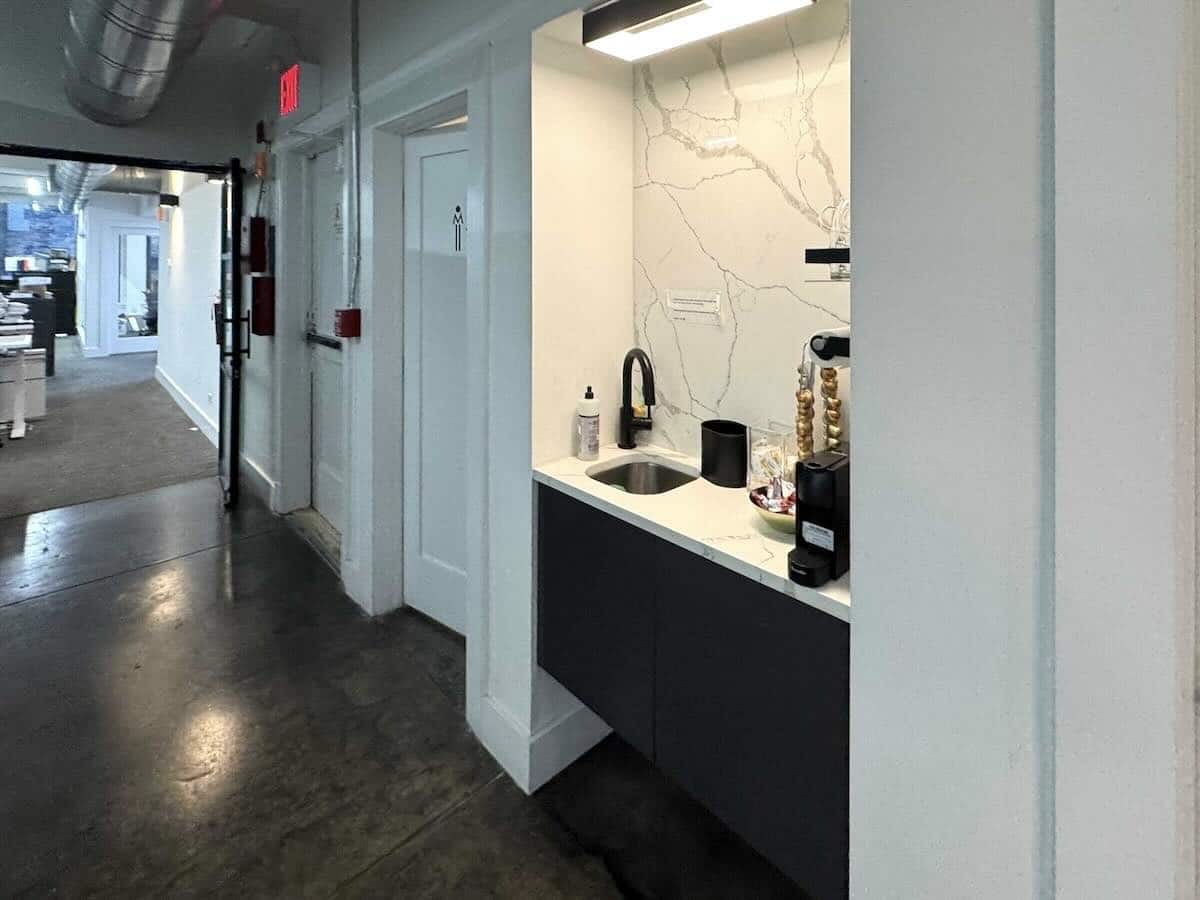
[355, 155]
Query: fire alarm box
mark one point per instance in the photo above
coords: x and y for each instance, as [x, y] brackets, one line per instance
[256, 245]
[347, 323]
[262, 306]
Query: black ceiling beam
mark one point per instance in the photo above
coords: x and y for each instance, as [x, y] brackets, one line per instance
[106, 159]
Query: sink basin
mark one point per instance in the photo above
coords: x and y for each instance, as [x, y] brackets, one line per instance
[643, 476]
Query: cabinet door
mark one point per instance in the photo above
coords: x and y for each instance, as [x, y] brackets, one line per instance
[596, 613]
[753, 706]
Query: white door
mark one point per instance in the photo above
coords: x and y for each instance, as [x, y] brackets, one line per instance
[435, 377]
[130, 293]
[326, 178]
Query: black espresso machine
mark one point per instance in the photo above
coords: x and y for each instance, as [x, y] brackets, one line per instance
[822, 551]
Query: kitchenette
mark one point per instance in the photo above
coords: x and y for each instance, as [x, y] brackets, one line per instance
[692, 404]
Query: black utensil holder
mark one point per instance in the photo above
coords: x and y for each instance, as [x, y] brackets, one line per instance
[724, 447]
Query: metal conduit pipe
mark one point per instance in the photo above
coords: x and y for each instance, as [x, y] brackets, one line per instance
[120, 54]
[75, 181]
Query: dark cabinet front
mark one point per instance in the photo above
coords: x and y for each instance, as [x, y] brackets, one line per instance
[738, 692]
[752, 705]
[596, 613]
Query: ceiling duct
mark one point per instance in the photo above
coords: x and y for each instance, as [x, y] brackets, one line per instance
[130, 180]
[75, 181]
[120, 54]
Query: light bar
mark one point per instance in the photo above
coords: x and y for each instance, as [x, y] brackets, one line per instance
[35, 187]
[635, 29]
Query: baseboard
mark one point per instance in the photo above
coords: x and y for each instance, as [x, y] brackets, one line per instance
[187, 404]
[559, 744]
[256, 479]
[91, 352]
[531, 760]
[505, 738]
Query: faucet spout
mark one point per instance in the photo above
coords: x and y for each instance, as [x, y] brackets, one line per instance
[629, 421]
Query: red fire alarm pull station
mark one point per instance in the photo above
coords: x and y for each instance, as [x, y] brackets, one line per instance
[262, 306]
[347, 323]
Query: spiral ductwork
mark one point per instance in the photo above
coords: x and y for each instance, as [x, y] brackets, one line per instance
[75, 181]
[120, 54]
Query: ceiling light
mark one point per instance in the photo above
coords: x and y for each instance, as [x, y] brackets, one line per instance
[634, 29]
[35, 186]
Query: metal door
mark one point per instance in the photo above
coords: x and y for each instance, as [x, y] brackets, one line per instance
[327, 255]
[230, 322]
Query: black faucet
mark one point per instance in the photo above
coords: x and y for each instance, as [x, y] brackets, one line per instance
[630, 422]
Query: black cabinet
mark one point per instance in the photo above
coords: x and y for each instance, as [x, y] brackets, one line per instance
[752, 716]
[738, 692]
[596, 613]
[62, 284]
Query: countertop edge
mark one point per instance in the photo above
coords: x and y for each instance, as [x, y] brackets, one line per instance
[832, 606]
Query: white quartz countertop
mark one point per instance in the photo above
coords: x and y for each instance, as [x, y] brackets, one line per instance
[717, 523]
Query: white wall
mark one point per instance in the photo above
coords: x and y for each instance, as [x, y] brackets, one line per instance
[953, 255]
[98, 258]
[189, 282]
[582, 238]
[1125, 497]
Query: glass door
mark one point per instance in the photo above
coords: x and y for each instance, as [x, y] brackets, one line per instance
[134, 297]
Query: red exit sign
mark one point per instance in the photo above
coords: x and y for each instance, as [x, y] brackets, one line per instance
[289, 91]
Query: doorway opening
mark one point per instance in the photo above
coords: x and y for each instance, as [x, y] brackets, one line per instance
[110, 292]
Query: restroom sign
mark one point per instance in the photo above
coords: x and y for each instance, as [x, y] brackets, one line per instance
[459, 223]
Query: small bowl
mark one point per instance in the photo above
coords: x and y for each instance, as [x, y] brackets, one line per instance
[785, 522]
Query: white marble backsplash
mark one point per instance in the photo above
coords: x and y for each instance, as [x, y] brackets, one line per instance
[740, 144]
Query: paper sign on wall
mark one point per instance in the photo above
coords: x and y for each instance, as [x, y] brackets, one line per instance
[696, 307]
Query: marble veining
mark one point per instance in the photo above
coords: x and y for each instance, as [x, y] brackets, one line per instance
[741, 145]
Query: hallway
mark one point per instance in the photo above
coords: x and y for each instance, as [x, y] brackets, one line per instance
[191, 707]
[110, 429]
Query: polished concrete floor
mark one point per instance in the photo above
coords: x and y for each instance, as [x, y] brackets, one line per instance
[110, 429]
[189, 706]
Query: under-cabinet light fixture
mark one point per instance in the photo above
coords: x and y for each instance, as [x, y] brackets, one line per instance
[635, 29]
[168, 201]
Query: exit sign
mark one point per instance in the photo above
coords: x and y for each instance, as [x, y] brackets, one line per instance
[299, 92]
[289, 91]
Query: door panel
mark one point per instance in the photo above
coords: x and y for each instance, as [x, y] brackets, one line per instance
[228, 327]
[326, 191]
[435, 386]
[328, 438]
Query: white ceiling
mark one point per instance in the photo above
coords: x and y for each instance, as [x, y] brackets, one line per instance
[249, 40]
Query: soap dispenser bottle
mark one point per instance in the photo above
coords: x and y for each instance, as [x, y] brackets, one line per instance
[587, 426]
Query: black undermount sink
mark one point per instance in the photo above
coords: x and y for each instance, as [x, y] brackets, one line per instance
[643, 476]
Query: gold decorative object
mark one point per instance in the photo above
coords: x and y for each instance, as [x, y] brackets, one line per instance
[833, 409]
[804, 417]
